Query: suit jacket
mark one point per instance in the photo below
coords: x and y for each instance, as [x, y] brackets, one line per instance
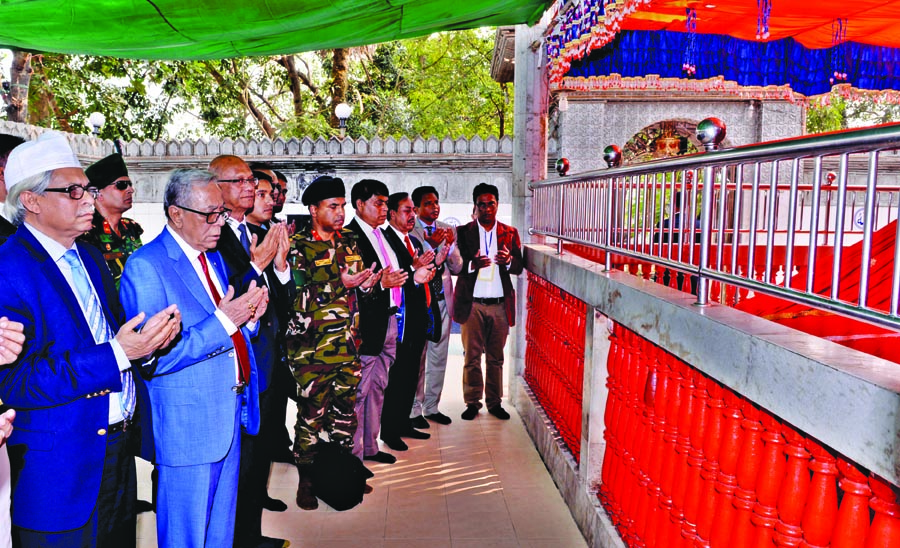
[7, 229]
[190, 382]
[469, 245]
[59, 386]
[415, 311]
[374, 306]
[240, 274]
[452, 265]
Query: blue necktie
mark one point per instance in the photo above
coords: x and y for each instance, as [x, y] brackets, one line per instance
[245, 241]
[98, 324]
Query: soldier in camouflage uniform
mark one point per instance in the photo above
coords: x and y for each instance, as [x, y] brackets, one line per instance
[115, 236]
[321, 333]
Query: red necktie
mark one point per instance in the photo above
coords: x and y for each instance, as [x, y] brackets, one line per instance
[412, 254]
[240, 345]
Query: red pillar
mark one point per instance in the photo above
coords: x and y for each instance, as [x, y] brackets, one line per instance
[771, 473]
[821, 505]
[726, 481]
[710, 469]
[885, 530]
[852, 521]
[747, 472]
[794, 490]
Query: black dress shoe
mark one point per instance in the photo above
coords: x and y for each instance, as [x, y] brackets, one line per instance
[273, 505]
[499, 412]
[439, 418]
[419, 422]
[414, 434]
[368, 473]
[470, 413]
[395, 444]
[382, 457]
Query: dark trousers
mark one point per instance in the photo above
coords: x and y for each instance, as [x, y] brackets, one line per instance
[403, 378]
[274, 430]
[252, 478]
[113, 523]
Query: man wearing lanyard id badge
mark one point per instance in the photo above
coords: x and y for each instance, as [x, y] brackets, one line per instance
[484, 301]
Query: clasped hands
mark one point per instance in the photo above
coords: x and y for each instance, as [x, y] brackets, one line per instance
[275, 247]
[156, 333]
[501, 258]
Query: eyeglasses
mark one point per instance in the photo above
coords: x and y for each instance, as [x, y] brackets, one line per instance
[76, 192]
[122, 185]
[249, 180]
[212, 217]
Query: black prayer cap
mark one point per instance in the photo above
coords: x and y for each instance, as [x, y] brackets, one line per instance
[103, 172]
[323, 188]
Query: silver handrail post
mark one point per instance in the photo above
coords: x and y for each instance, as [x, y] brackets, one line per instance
[705, 219]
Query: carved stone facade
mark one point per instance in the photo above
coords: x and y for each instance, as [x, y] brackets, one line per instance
[595, 120]
[452, 166]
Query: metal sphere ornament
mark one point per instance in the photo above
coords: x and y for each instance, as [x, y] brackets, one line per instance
[612, 155]
[711, 132]
[562, 166]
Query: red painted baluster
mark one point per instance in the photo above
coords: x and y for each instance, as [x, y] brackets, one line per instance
[794, 490]
[852, 521]
[700, 416]
[627, 484]
[669, 456]
[821, 504]
[654, 471]
[747, 474]
[610, 417]
[771, 473]
[682, 448]
[646, 446]
[710, 469]
[726, 481]
[885, 530]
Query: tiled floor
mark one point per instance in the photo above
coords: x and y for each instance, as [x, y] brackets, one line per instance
[478, 484]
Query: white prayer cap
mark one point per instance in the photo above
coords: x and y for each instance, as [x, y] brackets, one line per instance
[48, 152]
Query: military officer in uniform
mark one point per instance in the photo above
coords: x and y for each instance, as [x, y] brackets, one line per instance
[321, 333]
[115, 236]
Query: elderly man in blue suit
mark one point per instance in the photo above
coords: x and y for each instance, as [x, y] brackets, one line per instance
[73, 387]
[203, 388]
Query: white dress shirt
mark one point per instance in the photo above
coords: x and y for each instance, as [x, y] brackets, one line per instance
[488, 284]
[391, 259]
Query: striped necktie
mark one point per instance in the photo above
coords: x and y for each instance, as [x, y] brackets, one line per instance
[99, 326]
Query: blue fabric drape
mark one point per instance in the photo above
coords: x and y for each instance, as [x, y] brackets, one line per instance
[779, 62]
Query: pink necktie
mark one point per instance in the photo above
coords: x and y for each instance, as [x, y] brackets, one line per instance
[395, 291]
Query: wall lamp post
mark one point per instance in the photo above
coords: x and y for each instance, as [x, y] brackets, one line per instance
[342, 111]
[96, 121]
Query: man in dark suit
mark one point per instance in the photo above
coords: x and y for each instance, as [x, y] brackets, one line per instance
[204, 388]
[377, 315]
[485, 301]
[73, 387]
[264, 262]
[412, 321]
[7, 143]
[275, 436]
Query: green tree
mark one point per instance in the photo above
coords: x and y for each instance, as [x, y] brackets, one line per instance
[436, 85]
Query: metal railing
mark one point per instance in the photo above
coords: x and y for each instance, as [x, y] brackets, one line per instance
[726, 215]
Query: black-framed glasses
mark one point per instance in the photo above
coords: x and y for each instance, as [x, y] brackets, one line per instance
[76, 192]
[212, 217]
[122, 185]
[250, 180]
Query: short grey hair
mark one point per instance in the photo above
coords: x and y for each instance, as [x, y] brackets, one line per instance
[13, 208]
[181, 184]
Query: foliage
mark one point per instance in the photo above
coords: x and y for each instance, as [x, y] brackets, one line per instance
[835, 113]
[436, 85]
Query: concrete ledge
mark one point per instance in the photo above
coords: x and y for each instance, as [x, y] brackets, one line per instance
[846, 399]
[590, 517]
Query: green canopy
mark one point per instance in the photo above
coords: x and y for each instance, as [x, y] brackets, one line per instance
[209, 29]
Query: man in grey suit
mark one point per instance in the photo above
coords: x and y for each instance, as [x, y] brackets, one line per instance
[435, 234]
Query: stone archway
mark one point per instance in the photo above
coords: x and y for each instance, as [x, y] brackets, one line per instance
[663, 139]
